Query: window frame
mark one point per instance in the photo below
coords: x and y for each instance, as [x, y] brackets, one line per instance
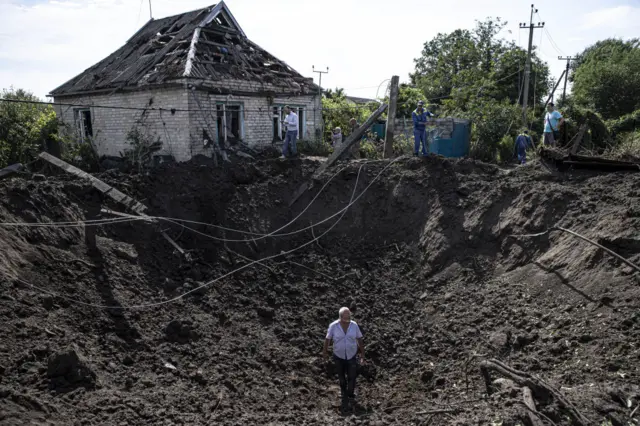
[84, 133]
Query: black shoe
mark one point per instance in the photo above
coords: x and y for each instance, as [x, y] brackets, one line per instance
[415, 154]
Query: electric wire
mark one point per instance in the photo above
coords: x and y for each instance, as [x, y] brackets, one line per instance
[241, 268]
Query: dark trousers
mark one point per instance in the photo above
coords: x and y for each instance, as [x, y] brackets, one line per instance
[346, 369]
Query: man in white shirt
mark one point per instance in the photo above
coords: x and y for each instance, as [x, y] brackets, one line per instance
[291, 125]
[347, 341]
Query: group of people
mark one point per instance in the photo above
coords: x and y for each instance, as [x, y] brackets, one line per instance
[552, 122]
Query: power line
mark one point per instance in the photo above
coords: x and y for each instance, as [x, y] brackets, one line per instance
[181, 296]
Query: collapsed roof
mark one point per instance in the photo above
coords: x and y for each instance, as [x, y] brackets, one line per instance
[206, 44]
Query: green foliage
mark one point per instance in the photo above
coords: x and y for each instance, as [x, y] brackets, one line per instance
[627, 148]
[314, 148]
[408, 98]
[506, 148]
[626, 123]
[337, 112]
[463, 65]
[492, 120]
[402, 145]
[369, 150]
[143, 146]
[607, 78]
[25, 129]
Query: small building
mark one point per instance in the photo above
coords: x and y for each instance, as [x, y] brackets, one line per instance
[193, 81]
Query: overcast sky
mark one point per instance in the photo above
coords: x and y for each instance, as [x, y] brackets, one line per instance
[44, 43]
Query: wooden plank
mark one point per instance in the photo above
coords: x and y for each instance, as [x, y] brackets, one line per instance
[353, 138]
[107, 190]
[391, 117]
[578, 140]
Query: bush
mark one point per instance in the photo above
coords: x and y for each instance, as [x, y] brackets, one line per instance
[506, 148]
[143, 146]
[491, 121]
[402, 145]
[627, 148]
[369, 150]
[25, 128]
[626, 123]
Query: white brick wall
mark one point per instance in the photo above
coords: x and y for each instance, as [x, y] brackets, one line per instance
[183, 136]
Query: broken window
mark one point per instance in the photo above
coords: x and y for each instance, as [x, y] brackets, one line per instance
[229, 123]
[84, 124]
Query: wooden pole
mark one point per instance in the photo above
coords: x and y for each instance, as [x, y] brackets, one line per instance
[353, 138]
[391, 117]
[554, 89]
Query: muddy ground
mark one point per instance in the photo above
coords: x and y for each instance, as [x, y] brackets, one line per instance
[426, 259]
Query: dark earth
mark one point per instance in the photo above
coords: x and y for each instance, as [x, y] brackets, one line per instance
[426, 259]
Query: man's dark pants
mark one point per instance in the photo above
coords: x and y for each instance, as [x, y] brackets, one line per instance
[346, 369]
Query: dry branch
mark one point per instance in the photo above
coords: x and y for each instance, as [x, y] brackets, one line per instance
[540, 389]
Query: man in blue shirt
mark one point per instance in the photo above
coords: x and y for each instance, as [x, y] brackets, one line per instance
[523, 142]
[420, 128]
[552, 122]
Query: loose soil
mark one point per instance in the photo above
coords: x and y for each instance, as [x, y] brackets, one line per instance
[426, 259]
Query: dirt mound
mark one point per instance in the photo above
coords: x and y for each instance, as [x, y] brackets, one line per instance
[428, 259]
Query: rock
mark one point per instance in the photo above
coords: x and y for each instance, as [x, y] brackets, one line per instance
[267, 313]
[128, 361]
[448, 297]
[68, 370]
[39, 178]
[499, 340]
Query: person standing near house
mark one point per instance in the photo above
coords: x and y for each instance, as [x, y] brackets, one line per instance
[420, 116]
[347, 342]
[336, 137]
[291, 136]
[552, 122]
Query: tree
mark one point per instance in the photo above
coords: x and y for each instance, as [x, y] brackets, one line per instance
[606, 77]
[25, 128]
[408, 98]
[465, 64]
[334, 94]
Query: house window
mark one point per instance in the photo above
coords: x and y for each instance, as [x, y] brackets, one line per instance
[278, 118]
[229, 123]
[84, 124]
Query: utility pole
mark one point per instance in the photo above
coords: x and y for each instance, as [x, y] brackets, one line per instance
[150, 13]
[566, 77]
[313, 68]
[527, 68]
[391, 117]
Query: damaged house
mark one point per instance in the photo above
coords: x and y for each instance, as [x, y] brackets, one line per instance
[192, 81]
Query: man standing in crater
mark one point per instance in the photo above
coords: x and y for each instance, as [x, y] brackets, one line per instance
[347, 342]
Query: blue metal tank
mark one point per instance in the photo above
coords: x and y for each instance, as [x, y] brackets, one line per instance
[450, 137]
